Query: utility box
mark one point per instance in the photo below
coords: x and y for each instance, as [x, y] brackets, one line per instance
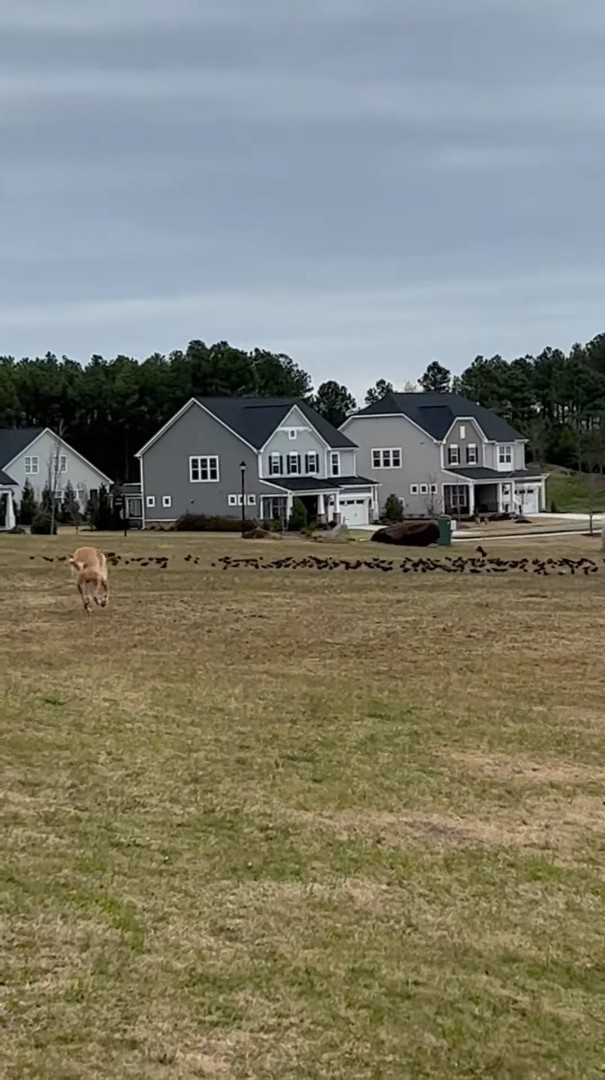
[445, 530]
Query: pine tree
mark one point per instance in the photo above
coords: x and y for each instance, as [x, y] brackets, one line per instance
[70, 507]
[29, 504]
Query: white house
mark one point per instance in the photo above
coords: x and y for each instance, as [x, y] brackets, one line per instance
[43, 458]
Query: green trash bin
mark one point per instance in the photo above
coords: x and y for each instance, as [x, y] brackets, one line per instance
[445, 530]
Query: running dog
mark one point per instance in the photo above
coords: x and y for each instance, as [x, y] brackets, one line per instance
[89, 567]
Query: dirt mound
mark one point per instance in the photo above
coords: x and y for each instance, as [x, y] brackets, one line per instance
[409, 534]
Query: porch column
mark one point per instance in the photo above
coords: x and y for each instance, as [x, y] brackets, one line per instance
[321, 507]
[289, 501]
[10, 511]
[336, 508]
[471, 499]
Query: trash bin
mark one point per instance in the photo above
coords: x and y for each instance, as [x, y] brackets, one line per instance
[445, 530]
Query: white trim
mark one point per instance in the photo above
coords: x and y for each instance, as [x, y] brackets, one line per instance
[334, 475]
[60, 439]
[143, 515]
[468, 420]
[414, 489]
[166, 502]
[31, 471]
[181, 412]
[208, 458]
[472, 446]
[448, 448]
[284, 426]
[150, 502]
[391, 450]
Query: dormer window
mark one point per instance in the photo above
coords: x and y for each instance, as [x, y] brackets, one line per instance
[505, 457]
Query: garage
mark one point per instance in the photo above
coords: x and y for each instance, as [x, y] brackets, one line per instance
[354, 511]
[528, 497]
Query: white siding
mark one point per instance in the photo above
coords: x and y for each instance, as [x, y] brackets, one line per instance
[44, 448]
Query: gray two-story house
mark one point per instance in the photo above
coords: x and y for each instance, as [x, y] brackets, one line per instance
[40, 457]
[444, 453]
[217, 454]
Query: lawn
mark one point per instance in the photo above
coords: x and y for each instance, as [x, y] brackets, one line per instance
[574, 492]
[301, 824]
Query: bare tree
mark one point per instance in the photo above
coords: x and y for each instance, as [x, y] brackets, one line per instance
[54, 470]
[431, 500]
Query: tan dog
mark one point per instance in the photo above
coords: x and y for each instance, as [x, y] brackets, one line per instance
[89, 566]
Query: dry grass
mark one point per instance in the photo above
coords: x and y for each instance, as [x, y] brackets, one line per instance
[300, 825]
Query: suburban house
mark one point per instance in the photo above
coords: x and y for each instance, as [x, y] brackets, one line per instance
[444, 453]
[219, 455]
[39, 455]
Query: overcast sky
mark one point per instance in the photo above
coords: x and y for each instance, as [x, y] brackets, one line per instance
[367, 185]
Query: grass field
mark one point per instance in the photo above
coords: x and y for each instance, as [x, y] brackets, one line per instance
[300, 824]
[574, 492]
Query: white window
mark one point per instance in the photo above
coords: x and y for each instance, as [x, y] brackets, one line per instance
[32, 466]
[294, 464]
[150, 502]
[413, 489]
[251, 500]
[166, 501]
[505, 457]
[462, 431]
[60, 463]
[312, 463]
[453, 455]
[232, 500]
[292, 433]
[203, 470]
[389, 458]
[276, 466]
[471, 454]
[424, 489]
[335, 463]
[433, 489]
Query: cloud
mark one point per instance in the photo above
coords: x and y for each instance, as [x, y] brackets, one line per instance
[363, 184]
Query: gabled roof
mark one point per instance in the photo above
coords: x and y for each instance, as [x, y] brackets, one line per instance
[14, 441]
[255, 419]
[435, 414]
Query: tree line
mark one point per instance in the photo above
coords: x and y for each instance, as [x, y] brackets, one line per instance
[108, 408]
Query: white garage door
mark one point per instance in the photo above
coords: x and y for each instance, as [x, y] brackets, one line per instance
[354, 511]
[529, 498]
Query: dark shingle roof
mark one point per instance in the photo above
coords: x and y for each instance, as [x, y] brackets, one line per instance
[478, 472]
[255, 419]
[14, 440]
[318, 483]
[4, 480]
[435, 414]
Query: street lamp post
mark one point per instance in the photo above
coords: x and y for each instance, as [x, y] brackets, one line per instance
[242, 470]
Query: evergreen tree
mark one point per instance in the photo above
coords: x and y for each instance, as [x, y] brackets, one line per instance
[29, 504]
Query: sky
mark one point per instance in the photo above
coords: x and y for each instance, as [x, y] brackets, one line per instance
[366, 185]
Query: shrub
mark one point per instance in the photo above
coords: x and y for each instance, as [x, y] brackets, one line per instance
[298, 517]
[393, 509]
[42, 525]
[28, 505]
[554, 509]
[211, 523]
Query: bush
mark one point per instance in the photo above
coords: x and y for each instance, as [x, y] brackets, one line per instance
[42, 525]
[28, 506]
[211, 523]
[554, 509]
[298, 517]
[393, 509]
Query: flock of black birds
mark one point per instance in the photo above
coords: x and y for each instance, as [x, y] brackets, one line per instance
[480, 563]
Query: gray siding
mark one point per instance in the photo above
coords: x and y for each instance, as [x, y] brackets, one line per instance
[463, 433]
[491, 455]
[306, 440]
[165, 469]
[421, 460]
[78, 473]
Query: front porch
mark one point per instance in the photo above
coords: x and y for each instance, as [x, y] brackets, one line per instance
[8, 515]
[352, 500]
[472, 497]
